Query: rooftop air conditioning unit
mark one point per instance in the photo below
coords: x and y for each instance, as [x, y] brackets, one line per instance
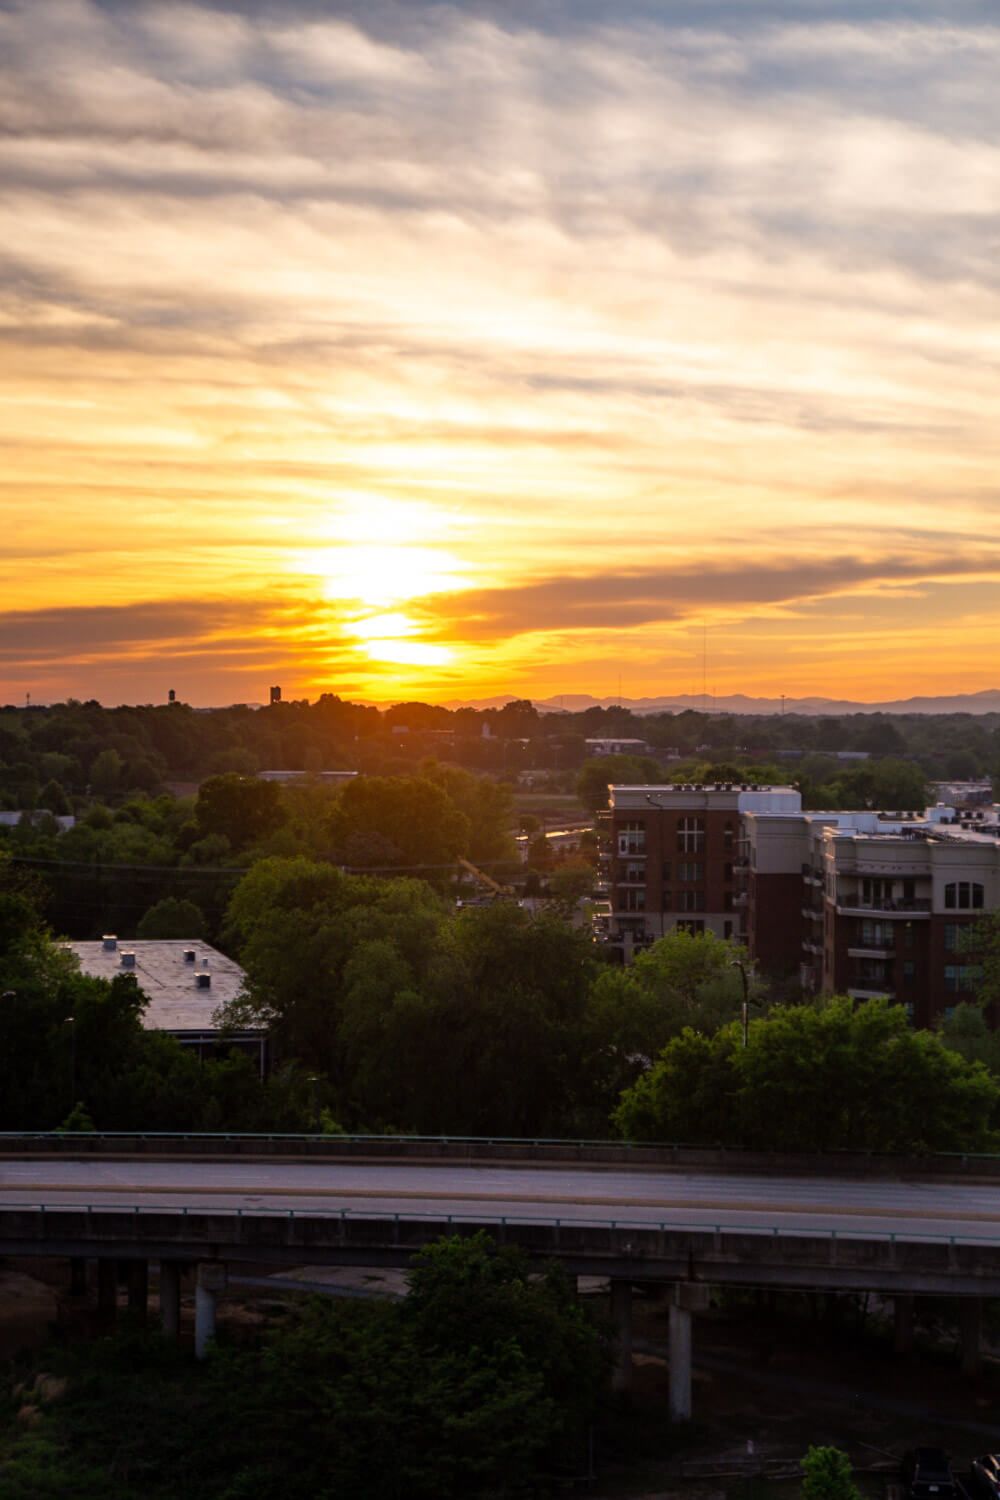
[189, 955]
[127, 959]
[203, 981]
[109, 942]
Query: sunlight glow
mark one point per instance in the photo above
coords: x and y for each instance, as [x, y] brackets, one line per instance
[409, 653]
[383, 575]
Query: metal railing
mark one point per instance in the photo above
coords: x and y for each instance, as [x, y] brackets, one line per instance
[83, 1137]
[430, 1218]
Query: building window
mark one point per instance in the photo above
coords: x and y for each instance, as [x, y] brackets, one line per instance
[666, 870]
[961, 977]
[876, 934]
[963, 895]
[951, 931]
[690, 869]
[633, 900]
[728, 837]
[727, 929]
[727, 901]
[909, 970]
[693, 927]
[690, 835]
[668, 901]
[727, 874]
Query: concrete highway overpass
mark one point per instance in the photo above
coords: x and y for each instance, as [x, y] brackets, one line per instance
[896, 1228]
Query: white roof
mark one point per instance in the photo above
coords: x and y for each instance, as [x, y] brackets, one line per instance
[176, 1003]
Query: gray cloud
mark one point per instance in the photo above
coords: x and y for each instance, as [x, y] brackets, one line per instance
[635, 597]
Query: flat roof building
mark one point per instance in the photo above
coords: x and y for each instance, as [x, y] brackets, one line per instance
[186, 982]
[675, 856]
[872, 903]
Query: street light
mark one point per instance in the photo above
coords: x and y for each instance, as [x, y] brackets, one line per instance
[737, 963]
[71, 1023]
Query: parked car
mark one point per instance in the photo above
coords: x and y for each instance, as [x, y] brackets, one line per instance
[926, 1472]
[984, 1477]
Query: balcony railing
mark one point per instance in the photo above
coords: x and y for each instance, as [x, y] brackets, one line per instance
[903, 906]
[632, 848]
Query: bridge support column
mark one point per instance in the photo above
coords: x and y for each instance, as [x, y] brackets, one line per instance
[77, 1276]
[170, 1298]
[621, 1318]
[972, 1335]
[210, 1281]
[138, 1289]
[107, 1290]
[687, 1298]
[902, 1317]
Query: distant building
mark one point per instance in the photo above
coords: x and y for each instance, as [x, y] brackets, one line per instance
[35, 815]
[612, 746]
[964, 794]
[185, 982]
[329, 778]
[274, 694]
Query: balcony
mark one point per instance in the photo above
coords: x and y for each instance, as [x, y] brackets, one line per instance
[809, 946]
[740, 898]
[874, 953]
[631, 848]
[909, 907]
[870, 994]
[813, 913]
[631, 882]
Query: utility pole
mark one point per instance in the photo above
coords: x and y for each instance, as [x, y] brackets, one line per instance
[737, 963]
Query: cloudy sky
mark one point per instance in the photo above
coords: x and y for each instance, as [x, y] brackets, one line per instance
[428, 350]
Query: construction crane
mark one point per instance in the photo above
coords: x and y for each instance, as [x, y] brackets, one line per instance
[481, 878]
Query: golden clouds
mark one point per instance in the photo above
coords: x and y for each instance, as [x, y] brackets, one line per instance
[439, 354]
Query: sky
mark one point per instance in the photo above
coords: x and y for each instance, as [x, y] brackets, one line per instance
[409, 350]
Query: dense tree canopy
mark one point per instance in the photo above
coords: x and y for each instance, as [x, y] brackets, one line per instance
[816, 1077]
[477, 1385]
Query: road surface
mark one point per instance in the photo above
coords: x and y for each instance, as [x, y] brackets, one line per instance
[804, 1205]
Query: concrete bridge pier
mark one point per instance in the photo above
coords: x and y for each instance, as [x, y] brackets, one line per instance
[902, 1318]
[77, 1276]
[137, 1279]
[688, 1297]
[621, 1321]
[170, 1298]
[972, 1335]
[107, 1290]
[209, 1282]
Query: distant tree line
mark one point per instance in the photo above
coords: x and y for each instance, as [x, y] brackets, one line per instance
[60, 757]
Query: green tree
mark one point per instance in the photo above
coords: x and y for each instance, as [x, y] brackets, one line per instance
[683, 980]
[827, 1475]
[238, 808]
[106, 773]
[491, 1040]
[828, 1077]
[172, 917]
[54, 799]
[413, 818]
[486, 804]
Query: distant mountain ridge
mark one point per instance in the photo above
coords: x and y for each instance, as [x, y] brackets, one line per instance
[985, 702]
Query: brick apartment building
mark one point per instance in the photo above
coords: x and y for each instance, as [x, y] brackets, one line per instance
[862, 903]
[675, 856]
[877, 901]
